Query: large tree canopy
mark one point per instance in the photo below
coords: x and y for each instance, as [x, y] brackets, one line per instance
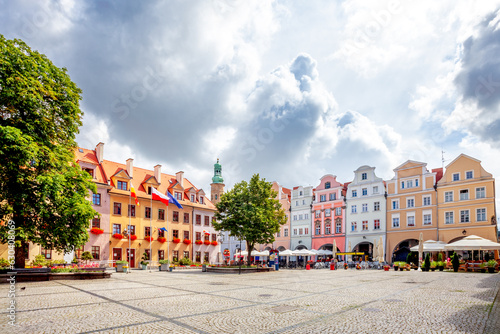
[250, 211]
[41, 188]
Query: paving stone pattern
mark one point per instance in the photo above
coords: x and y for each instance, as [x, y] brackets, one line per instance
[287, 301]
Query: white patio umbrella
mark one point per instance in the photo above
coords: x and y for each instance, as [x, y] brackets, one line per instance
[286, 253]
[349, 258]
[334, 249]
[430, 246]
[375, 250]
[472, 242]
[420, 250]
[324, 252]
[303, 252]
[381, 249]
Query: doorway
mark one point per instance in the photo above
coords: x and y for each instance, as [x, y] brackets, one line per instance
[117, 255]
[132, 257]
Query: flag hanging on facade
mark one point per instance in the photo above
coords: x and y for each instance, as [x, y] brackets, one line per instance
[158, 196]
[174, 200]
[206, 233]
[133, 193]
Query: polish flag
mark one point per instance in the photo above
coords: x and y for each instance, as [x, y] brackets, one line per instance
[158, 196]
[206, 233]
[133, 193]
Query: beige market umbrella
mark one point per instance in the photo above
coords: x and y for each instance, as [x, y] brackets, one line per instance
[472, 242]
[334, 249]
[350, 250]
[420, 250]
[375, 250]
[381, 250]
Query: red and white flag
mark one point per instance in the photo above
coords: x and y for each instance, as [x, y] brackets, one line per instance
[133, 193]
[206, 233]
[158, 196]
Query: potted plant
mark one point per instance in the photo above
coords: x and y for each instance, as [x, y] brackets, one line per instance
[455, 262]
[133, 237]
[144, 262]
[125, 269]
[149, 239]
[482, 267]
[433, 265]
[198, 242]
[176, 240]
[207, 242]
[214, 243]
[186, 241]
[440, 265]
[117, 236]
[491, 266]
[346, 266]
[396, 266]
[164, 265]
[96, 230]
[402, 265]
[119, 265]
[387, 267]
[162, 239]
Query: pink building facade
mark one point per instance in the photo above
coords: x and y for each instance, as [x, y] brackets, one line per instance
[328, 214]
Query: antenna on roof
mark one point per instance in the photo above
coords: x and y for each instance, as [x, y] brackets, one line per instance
[442, 158]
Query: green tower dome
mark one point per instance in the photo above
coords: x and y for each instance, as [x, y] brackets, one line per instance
[217, 173]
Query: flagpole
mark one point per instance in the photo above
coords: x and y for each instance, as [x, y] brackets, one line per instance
[150, 233]
[168, 242]
[129, 223]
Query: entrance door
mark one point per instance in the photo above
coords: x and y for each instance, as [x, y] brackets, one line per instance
[132, 257]
[117, 255]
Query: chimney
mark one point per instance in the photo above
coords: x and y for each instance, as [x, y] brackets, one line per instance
[180, 177]
[158, 173]
[99, 151]
[130, 167]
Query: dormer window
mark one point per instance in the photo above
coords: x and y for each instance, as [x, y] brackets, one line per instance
[122, 185]
[201, 200]
[193, 198]
[90, 171]
[364, 176]
[178, 195]
[328, 185]
[149, 190]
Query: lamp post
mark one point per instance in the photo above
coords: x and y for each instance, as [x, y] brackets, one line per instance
[239, 273]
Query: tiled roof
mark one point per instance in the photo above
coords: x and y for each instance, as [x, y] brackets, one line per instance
[89, 156]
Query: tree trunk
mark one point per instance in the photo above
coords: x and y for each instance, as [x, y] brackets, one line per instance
[249, 250]
[21, 255]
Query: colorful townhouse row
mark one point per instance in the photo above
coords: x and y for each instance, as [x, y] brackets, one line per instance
[442, 204]
[125, 230]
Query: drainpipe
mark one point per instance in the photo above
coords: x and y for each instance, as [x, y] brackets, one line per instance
[437, 213]
[192, 235]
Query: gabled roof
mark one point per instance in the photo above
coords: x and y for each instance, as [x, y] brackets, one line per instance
[463, 156]
[412, 163]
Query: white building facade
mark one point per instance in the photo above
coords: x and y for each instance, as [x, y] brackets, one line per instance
[366, 212]
[300, 218]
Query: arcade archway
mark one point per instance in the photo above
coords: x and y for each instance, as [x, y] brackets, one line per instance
[401, 251]
[365, 247]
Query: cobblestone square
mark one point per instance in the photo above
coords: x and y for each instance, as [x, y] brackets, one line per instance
[287, 301]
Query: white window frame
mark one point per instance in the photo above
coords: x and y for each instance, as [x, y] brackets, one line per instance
[426, 197]
[412, 199]
[460, 194]
[364, 192]
[395, 207]
[354, 226]
[364, 176]
[394, 219]
[457, 177]
[485, 215]
[376, 206]
[408, 216]
[481, 190]
[426, 213]
[467, 211]
[354, 193]
[354, 209]
[375, 189]
[447, 195]
[364, 207]
[469, 171]
[447, 216]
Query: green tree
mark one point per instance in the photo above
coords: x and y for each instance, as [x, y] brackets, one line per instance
[41, 188]
[250, 212]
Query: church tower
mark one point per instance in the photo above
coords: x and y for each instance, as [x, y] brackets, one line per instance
[217, 185]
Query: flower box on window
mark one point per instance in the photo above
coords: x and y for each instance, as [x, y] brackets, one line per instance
[162, 239]
[176, 240]
[149, 239]
[96, 230]
[198, 242]
[133, 237]
[117, 236]
[207, 242]
[187, 241]
[214, 243]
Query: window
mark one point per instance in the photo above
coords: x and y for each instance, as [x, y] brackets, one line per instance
[354, 226]
[364, 176]
[47, 253]
[186, 235]
[175, 234]
[198, 219]
[456, 177]
[117, 228]
[78, 252]
[95, 252]
[193, 198]
[175, 216]
[427, 219]
[175, 255]
[333, 196]
[409, 184]
[207, 237]
[480, 192]
[300, 193]
[354, 209]
[395, 222]
[131, 210]
[90, 171]
[416, 182]
[117, 208]
[327, 212]
[207, 221]
[410, 203]
[354, 193]
[317, 228]
[427, 200]
[481, 215]
[306, 231]
[161, 233]
[161, 214]
[364, 207]
[286, 232]
[301, 231]
[149, 190]
[322, 198]
[202, 200]
[147, 212]
[197, 257]
[338, 227]
[147, 231]
[278, 234]
[402, 184]
[96, 223]
[338, 211]
[448, 196]
[448, 217]
[186, 255]
[161, 255]
[375, 190]
[376, 224]
[469, 175]
[131, 229]
[464, 216]
[295, 231]
[464, 194]
[410, 221]
[365, 225]
[205, 257]
[300, 217]
[296, 203]
[96, 199]
[178, 196]
[122, 185]
[198, 236]
[306, 216]
[327, 185]
[376, 206]
[395, 204]
[318, 214]
[294, 217]
[328, 228]
[303, 202]
[364, 191]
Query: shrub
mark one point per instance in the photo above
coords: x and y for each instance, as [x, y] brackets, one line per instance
[455, 261]
[440, 257]
[4, 262]
[427, 262]
[492, 263]
[164, 261]
[39, 261]
[408, 258]
[86, 256]
[122, 262]
[185, 262]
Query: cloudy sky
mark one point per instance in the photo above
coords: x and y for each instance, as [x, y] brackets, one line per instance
[292, 90]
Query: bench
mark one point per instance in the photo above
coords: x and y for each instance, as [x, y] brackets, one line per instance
[473, 266]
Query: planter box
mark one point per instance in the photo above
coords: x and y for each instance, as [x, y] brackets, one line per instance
[119, 267]
[164, 267]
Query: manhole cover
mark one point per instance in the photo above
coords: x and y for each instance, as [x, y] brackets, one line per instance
[283, 308]
[265, 296]
[369, 309]
[394, 300]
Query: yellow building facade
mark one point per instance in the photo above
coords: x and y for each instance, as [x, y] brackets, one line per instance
[466, 200]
